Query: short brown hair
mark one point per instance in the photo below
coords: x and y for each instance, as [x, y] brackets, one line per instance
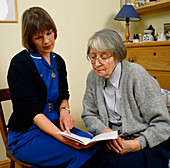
[35, 20]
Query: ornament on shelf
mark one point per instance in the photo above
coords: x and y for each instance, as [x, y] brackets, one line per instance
[161, 36]
[148, 36]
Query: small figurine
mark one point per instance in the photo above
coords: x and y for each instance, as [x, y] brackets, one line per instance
[148, 36]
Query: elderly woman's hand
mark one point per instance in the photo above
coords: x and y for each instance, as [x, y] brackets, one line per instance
[66, 121]
[114, 144]
[130, 146]
[122, 146]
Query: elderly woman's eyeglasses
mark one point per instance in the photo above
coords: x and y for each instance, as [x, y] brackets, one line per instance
[103, 59]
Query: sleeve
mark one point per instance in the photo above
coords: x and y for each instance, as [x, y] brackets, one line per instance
[153, 110]
[94, 122]
[27, 100]
[63, 84]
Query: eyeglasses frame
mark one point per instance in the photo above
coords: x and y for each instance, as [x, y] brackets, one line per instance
[99, 59]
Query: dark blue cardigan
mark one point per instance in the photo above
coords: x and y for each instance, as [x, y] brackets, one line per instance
[28, 90]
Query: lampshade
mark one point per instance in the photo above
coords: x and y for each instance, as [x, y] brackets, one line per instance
[127, 11]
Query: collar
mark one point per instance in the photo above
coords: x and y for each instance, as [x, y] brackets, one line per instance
[37, 55]
[114, 79]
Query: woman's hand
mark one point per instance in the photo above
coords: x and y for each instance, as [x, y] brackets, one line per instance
[114, 144]
[130, 146]
[47, 126]
[122, 146]
[66, 121]
[72, 143]
[125, 147]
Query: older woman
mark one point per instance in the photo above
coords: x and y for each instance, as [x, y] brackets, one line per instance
[123, 96]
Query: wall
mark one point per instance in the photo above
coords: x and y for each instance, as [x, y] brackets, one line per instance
[76, 20]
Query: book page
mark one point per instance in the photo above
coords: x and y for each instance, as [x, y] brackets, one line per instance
[80, 139]
[105, 136]
[86, 141]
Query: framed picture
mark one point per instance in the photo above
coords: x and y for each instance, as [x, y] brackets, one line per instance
[8, 11]
[167, 34]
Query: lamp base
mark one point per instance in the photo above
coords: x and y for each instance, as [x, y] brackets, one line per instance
[128, 41]
[127, 34]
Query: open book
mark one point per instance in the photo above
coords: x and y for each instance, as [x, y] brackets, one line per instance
[86, 141]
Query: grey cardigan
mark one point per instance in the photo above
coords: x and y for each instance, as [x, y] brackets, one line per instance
[144, 112]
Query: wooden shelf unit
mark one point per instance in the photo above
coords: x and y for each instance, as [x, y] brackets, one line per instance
[154, 57]
[148, 44]
[154, 7]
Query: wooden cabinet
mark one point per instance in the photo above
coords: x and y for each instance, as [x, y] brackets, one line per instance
[154, 57]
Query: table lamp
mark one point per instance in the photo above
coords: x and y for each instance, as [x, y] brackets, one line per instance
[127, 13]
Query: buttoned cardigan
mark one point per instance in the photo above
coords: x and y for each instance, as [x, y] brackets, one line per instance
[28, 90]
[144, 113]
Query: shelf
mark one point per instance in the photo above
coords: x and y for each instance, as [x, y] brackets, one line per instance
[154, 7]
[148, 44]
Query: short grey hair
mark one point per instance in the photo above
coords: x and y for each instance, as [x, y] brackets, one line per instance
[107, 40]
